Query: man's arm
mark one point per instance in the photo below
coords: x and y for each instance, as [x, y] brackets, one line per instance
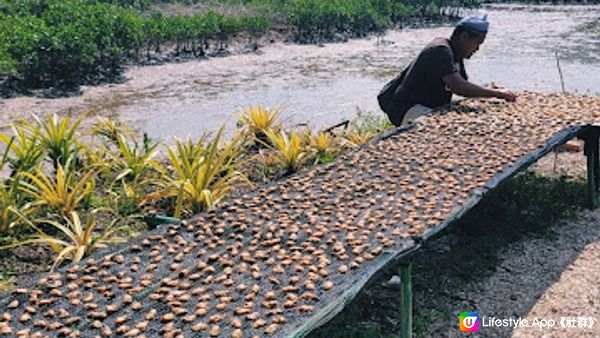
[462, 87]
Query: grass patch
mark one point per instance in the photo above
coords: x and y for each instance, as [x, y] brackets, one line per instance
[526, 206]
[422, 318]
[351, 324]
[535, 201]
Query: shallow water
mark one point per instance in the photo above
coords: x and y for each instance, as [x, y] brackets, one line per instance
[325, 85]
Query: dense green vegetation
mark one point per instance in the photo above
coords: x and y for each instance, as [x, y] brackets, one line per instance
[548, 2]
[59, 43]
[63, 43]
[54, 43]
[323, 17]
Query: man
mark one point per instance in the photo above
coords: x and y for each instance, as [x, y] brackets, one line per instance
[438, 72]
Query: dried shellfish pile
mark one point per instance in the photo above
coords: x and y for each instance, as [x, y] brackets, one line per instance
[262, 263]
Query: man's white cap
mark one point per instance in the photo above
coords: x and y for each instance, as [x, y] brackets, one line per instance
[475, 23]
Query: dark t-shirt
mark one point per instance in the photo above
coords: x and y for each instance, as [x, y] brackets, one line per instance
[422, 80]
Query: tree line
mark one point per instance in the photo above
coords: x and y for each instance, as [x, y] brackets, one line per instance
[55, 43]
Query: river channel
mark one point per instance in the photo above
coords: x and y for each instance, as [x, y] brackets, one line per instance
[323, 85]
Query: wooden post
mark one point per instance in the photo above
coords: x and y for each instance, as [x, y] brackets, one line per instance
[407, 299]
[593, 165]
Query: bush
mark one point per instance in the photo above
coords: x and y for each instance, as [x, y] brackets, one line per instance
[323, 18]
[54, 43]
[49, 43]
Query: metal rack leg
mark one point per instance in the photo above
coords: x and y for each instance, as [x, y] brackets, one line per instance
[407, 299]
[591, 150]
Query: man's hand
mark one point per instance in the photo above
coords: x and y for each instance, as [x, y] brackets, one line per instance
[462, 87]
[506, 95]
